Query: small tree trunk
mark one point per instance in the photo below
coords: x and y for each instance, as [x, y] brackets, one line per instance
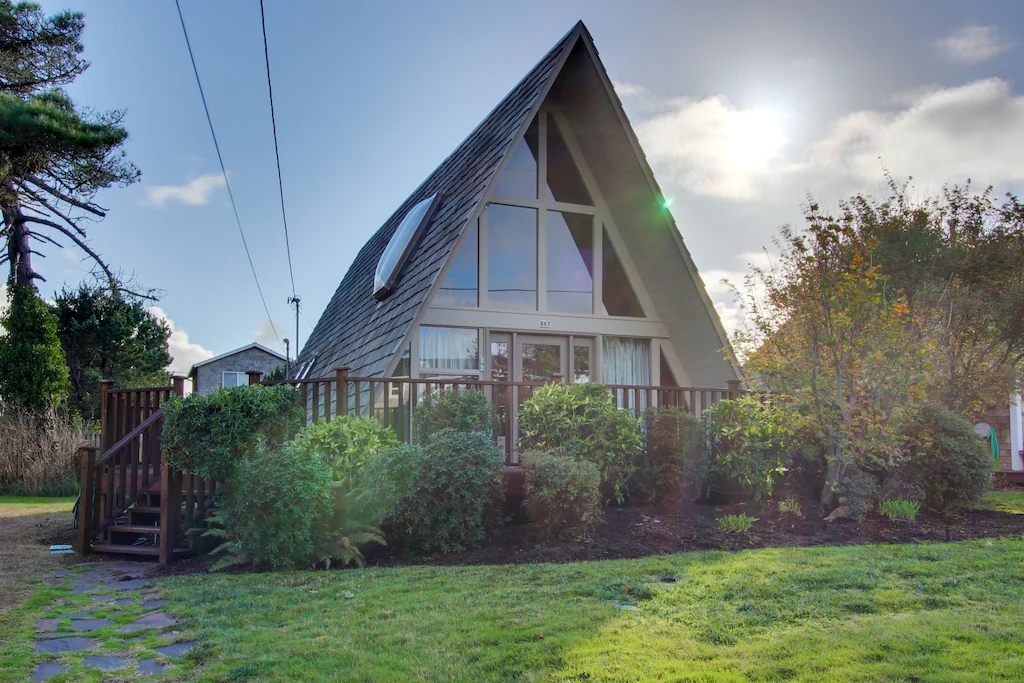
[18, 251]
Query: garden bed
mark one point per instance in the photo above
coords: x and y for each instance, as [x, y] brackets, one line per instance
[630, 532]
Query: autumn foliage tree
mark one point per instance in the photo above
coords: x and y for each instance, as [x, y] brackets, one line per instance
[883, 307]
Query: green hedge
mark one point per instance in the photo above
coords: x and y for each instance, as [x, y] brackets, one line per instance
[563, 494]
[466, 411]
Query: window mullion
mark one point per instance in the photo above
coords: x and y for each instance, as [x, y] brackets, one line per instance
[598, 256]
[483, 255]
[542, 260]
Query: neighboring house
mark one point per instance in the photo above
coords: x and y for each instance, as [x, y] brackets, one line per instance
[1006, 423]
[542, 245]
[230, 369]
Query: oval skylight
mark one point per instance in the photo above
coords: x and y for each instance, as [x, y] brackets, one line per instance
[401, 244]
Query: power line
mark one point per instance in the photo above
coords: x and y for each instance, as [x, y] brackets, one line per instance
[277, 155]
[224, 172]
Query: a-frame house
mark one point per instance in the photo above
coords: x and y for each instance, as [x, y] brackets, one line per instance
[542, 245]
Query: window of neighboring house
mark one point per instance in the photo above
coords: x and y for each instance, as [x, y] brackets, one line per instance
[461, 284]
[449, 352]
[234, 379]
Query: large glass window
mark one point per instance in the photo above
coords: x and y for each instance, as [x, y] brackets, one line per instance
[626, 361]
[449, 349]
[565, 184]
[519, 179]
[512, 258]
[460, 286]
[616, 293]
[570, 262]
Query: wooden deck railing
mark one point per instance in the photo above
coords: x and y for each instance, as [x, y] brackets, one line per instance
[393, 400]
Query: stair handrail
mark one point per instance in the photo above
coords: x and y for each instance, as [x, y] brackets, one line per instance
[127, 438]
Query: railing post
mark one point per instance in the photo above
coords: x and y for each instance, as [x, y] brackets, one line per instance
[254, 377]
[87, 457]
[557, 378]
[170, 511]
[734, 389]
[178, 385]
[106, 416]
[341, 376]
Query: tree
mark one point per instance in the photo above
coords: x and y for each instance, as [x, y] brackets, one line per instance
[53, 157]
[33, 371]
[109, 335]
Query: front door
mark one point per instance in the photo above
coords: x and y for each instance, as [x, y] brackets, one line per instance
[539, 357]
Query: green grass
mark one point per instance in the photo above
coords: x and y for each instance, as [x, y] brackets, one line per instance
[869, 613]
[1011, 502]
[15, 506]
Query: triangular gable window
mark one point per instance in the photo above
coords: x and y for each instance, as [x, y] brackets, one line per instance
[617, 294]
[519, 179]
[461, 284]
[565, 184]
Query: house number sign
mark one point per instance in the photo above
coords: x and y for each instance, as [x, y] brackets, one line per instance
[544, 324]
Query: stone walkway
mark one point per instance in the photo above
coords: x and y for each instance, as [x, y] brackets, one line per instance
[90, 635]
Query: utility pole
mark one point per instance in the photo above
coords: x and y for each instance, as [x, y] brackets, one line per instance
[297, 301]
[287, 358]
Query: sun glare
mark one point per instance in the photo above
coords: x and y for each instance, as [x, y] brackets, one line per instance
[754, 138]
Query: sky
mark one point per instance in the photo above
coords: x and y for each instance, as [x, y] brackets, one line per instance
[744, 109]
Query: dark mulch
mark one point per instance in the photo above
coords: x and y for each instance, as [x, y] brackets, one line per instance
[629, 532]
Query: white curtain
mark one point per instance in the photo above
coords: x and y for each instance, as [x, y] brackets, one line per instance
[448, 349]
[627, 361]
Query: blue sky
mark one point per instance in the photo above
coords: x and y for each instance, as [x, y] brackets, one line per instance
[743, 109]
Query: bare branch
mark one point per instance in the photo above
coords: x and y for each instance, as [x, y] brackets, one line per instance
[81, 245]
[42, 185]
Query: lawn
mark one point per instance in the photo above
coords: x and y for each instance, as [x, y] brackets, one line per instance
[1011, 502]
[868, 613]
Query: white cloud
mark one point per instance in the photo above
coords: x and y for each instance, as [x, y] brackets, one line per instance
[196, 192]
[184, 352]
[264, 334]
[709, 146]
[945, 135]
[973, 44]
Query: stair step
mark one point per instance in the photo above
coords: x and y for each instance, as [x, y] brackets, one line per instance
[135, 529]
[144, 509]
[147, 550]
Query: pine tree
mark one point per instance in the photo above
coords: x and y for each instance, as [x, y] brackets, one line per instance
[33, 370]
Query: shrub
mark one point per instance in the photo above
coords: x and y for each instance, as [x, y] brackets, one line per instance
[275, 508]
[945, 458]
[206, 435]
[347, 443]
[440, 495]
[466, 411]
[899, 509]
[861, 490]
[736, 524]
[581, 421]
[670, 434]
[39, 452]
[33, 368]
[563, 494]
[791, 506]
[746, 440]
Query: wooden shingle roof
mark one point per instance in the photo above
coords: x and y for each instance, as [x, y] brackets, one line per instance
[357, 331]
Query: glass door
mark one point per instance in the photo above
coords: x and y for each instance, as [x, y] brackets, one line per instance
[541, 356]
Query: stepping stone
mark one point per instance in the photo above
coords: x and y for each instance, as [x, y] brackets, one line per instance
[88, 581]
[77, 615]
[174, 651]
[150, 667]
[48, 670]
[82, 590]
[90, 624]
[123, 602]
[55, 634]
[153, 604]
[60, 645]
[47, 624]
[106, 662]
[157, 620]
[129, 584]
[54, 582]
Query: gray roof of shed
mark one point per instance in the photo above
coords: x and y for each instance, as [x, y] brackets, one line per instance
[356, 331]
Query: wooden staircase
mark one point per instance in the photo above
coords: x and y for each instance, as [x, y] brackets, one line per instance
[131, 503]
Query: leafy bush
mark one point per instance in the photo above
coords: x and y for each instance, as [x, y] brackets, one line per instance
[945, 458]
[670, 435]
[791, 506]
[563, 494]
[33, 368]
[736, 524]
[899, 509]
[860, 489]
[466, 411]
[207, 435]
[439, 495]
[581, 421]
[747, 440]
[347, 443]
[39, 452]
[275, 508]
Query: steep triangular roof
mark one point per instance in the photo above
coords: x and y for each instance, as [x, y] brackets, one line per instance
[357, 332]
[354, 330]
